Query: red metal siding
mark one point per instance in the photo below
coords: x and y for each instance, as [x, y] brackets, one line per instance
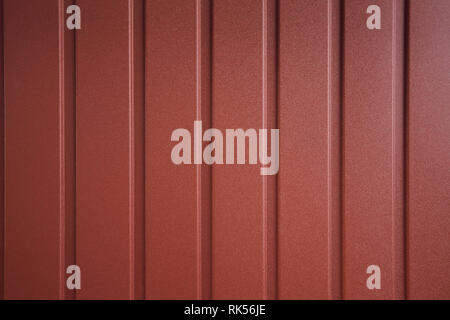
[108, 157]
[372, 168]
[364, 149]
[35, 102]
[237, 218]
[174, 99]
[428, 197]
[309, 125]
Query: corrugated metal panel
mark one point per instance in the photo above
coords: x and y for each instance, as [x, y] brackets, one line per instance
[109, 171]
[177, 80]
[35, 103]
[309, 120]
[364, 149]
[237, 205]
[428, 183]
[372, 148]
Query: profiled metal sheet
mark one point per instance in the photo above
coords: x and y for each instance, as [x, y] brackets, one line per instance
[38, 157]
[308, 194]
[178, 197]
[364, 159]
[370, 171]
[237, 190]
[109, 96]
[428, 251]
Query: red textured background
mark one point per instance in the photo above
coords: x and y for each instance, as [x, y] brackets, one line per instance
[364, 179]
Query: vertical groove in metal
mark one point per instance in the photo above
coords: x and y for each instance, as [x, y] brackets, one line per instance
[137, 148]
[269, 121]
[62, 182]
[406, 147]
[264, 125]
[203, 172]
[144, 169]
[277, 125]
[398, 36]
[210, 119]
[342, 145]
[140, 293]
[198, 73]
[131, 145]
[334, 150]
[66, 107]
[67, 146]
[74, 150]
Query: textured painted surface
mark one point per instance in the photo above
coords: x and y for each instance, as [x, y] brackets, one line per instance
[236, 190]
[428, 254]
[106, 150]
[34, 168]
[309, 123]
[364, 159]
[370, 106]
[174, 99]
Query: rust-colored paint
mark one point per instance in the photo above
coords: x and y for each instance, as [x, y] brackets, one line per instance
[177, 93]
[428, 162]
[241, 93]
[109, 167]
[372, 149]
[37, 175]
[309, 120]
[364, 149]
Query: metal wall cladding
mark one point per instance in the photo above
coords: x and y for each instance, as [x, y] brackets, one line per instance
[364, 179]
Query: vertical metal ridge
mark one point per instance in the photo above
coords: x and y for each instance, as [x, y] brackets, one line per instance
[398, 149]
[342, 144]
[142, 122]
[277, 125]
[264, 125]
[210, 189]
[198, 167]
[406, 147]
[269, 43]
[66, 78]
[203, 172]
[198, 110]
[61, 107]
[71, 152]
[74, 191]
[131, 144]
[334, 151]
[136, 148]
